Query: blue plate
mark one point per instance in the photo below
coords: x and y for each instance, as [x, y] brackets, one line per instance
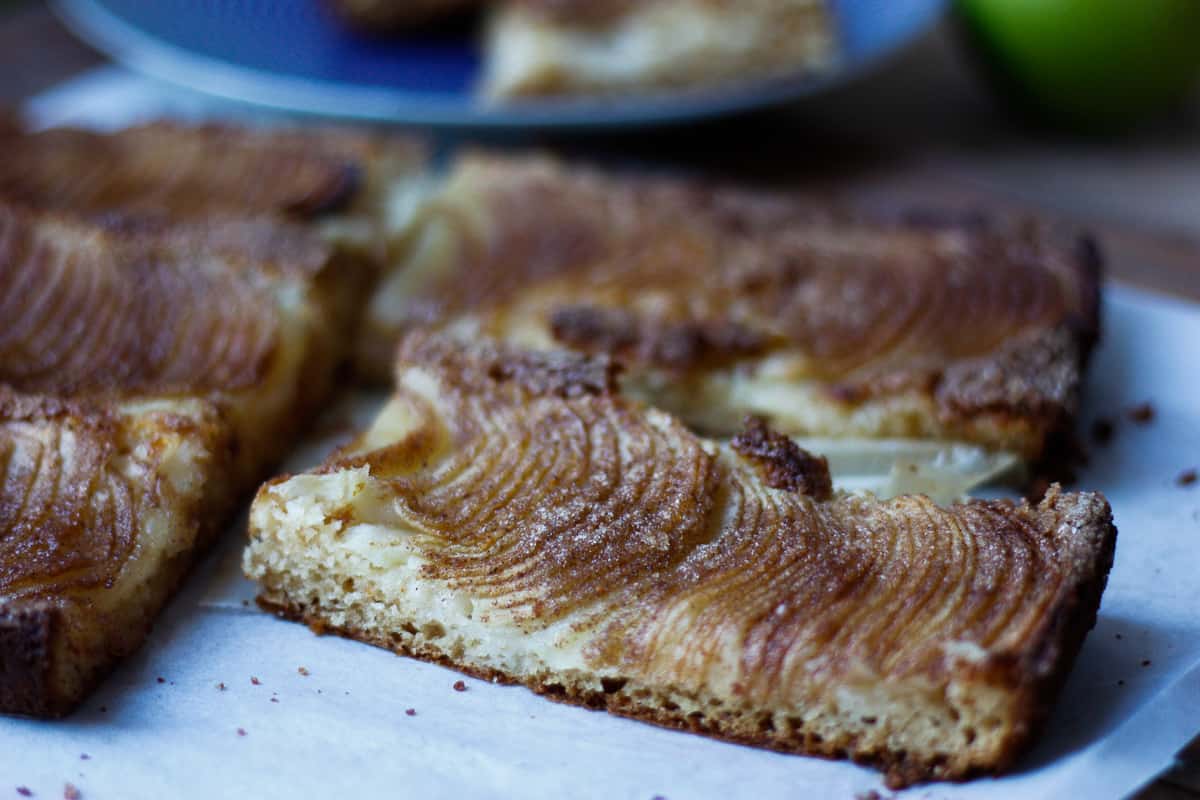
[294, 55]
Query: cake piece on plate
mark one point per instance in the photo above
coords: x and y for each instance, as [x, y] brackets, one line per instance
[582, 47]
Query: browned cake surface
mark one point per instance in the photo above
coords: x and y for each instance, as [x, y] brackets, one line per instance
[95, 531]
[608, 556]
[976, 322]
[89, 310]
[179, 170]
[149, 372]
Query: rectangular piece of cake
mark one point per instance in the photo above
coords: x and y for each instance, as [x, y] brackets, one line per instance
[511, 514]
[720, 302]
[149, 375]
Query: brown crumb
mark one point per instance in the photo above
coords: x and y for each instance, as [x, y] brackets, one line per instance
[70, 792]
[255, 681]
[459, 686]
[1145, 662]
[783, 463]
[412, 712]
[303, 671]
[161, 679]
[871, 795]
[1186, 478]
[1142, 414]
[274, 699]
[221, 686]
[1102, 431]
[84, 757]
[241, 731]
[24, 791]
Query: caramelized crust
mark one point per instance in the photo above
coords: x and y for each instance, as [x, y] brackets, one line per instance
[165, 168]
[621, 561]
[66, 518]
[150, 371]
[101, 507]
[93, 311]
[983, 329]
[782, 463]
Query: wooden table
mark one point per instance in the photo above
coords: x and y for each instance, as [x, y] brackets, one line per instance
[921, 130]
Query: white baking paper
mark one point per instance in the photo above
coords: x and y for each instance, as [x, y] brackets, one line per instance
[339, 728]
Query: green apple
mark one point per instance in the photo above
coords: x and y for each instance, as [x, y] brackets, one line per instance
[1100, 63]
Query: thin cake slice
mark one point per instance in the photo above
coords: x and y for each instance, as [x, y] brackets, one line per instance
[511, 514]
[149, 375]
[573, 47]
[722, 303]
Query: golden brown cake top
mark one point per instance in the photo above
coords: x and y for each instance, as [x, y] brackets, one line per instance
[139, 308]
[170, 169]
[73, 495]
[585, 508]
[682, 276]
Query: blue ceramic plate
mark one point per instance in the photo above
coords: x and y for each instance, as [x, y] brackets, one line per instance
[293, 55]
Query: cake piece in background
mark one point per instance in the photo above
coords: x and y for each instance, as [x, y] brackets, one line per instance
[720, 303]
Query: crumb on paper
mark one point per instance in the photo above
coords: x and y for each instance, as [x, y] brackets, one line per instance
[459, 686]
[160, 679]
[1142, 414]
[412, 712]
[1121, 682]
[255, 681]
[871, 795]
[24, 791]
[103, 709]
[274, 699]
[1187, 477]
[70, 792]
[241, 731]
[1102, 431]
[1145, 662]
[221, 686]
[303, 671]
[84, 757]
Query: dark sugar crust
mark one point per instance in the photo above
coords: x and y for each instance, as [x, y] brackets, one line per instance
[782, 462]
